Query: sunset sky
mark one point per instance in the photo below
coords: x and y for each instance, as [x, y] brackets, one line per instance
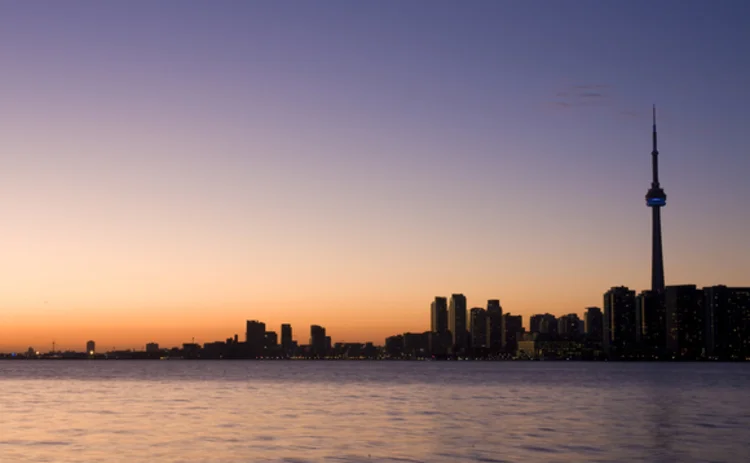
[170, 169]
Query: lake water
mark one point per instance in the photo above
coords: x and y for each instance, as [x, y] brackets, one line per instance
[297, 411]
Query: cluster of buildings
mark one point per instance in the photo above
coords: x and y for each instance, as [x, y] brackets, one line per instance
[665, 322]
[680, 322]
[677, 322]
[456, 331]
[260, 343]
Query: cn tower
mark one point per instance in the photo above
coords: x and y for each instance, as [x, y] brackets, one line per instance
[656, 199]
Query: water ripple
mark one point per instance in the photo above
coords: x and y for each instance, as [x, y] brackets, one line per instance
[436, 412]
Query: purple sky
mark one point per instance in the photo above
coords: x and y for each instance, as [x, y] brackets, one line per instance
[291, 159]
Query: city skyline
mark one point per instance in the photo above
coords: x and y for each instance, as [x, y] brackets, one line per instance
[170, 178]
[681, 322]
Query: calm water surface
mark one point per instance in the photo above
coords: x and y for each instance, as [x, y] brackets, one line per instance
[221, 411]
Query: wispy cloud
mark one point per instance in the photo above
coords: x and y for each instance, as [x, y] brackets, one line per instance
[590, 86]
[582, 95]
[634, 114]
[560, 104]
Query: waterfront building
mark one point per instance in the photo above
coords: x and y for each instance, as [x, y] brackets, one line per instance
[457, 322]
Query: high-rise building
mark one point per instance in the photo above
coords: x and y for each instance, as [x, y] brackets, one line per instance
[656, 199]
[593, 322]
[457, 322]
[652, 324]
[255, 337]
[548, 325]
[686, 322]
[535, 323]
[494, 326]
[619, 333]
[439, 315]
[286, 338]
[512, 328]
[90, 348]
[567, 326]
[727, 322]
[440, 339]
[318, 341]
[478, 328]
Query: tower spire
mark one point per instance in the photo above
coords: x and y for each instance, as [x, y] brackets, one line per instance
[654, 126]
[654, 152]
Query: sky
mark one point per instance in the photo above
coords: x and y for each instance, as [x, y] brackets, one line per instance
[171, 169]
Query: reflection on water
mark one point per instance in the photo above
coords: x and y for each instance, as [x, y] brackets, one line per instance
[372, 412]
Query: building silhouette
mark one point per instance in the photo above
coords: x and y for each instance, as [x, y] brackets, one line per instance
[567, 326]
[271, 340]
[478, 328]
[656, 199]
[548, 325]
[286, 339]
[593, 323]
[457, 322]
[255, 337]
[91, 348]
[494, 326]
[686, 322]
[318, 342]
[439, 315]
[512, 329]
[727, 312]
[416, 345]
[619, 328]
[535, 323]
[440, 338]
[651, 323]
[394, 346]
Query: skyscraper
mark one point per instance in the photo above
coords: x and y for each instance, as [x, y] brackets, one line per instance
[286, 338]
[439, 315]
[494, 326]
[567, 326]
[686, 324]
[548, 325]
[318, 342]
[652, 323]
[478, 328]
[440, 338]
[619, 334]
[512, 326]
[90, 348]
[457, 322]
[656, 199]
[255, 337]
[727, 322]
[535, 323]
[593, 324]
